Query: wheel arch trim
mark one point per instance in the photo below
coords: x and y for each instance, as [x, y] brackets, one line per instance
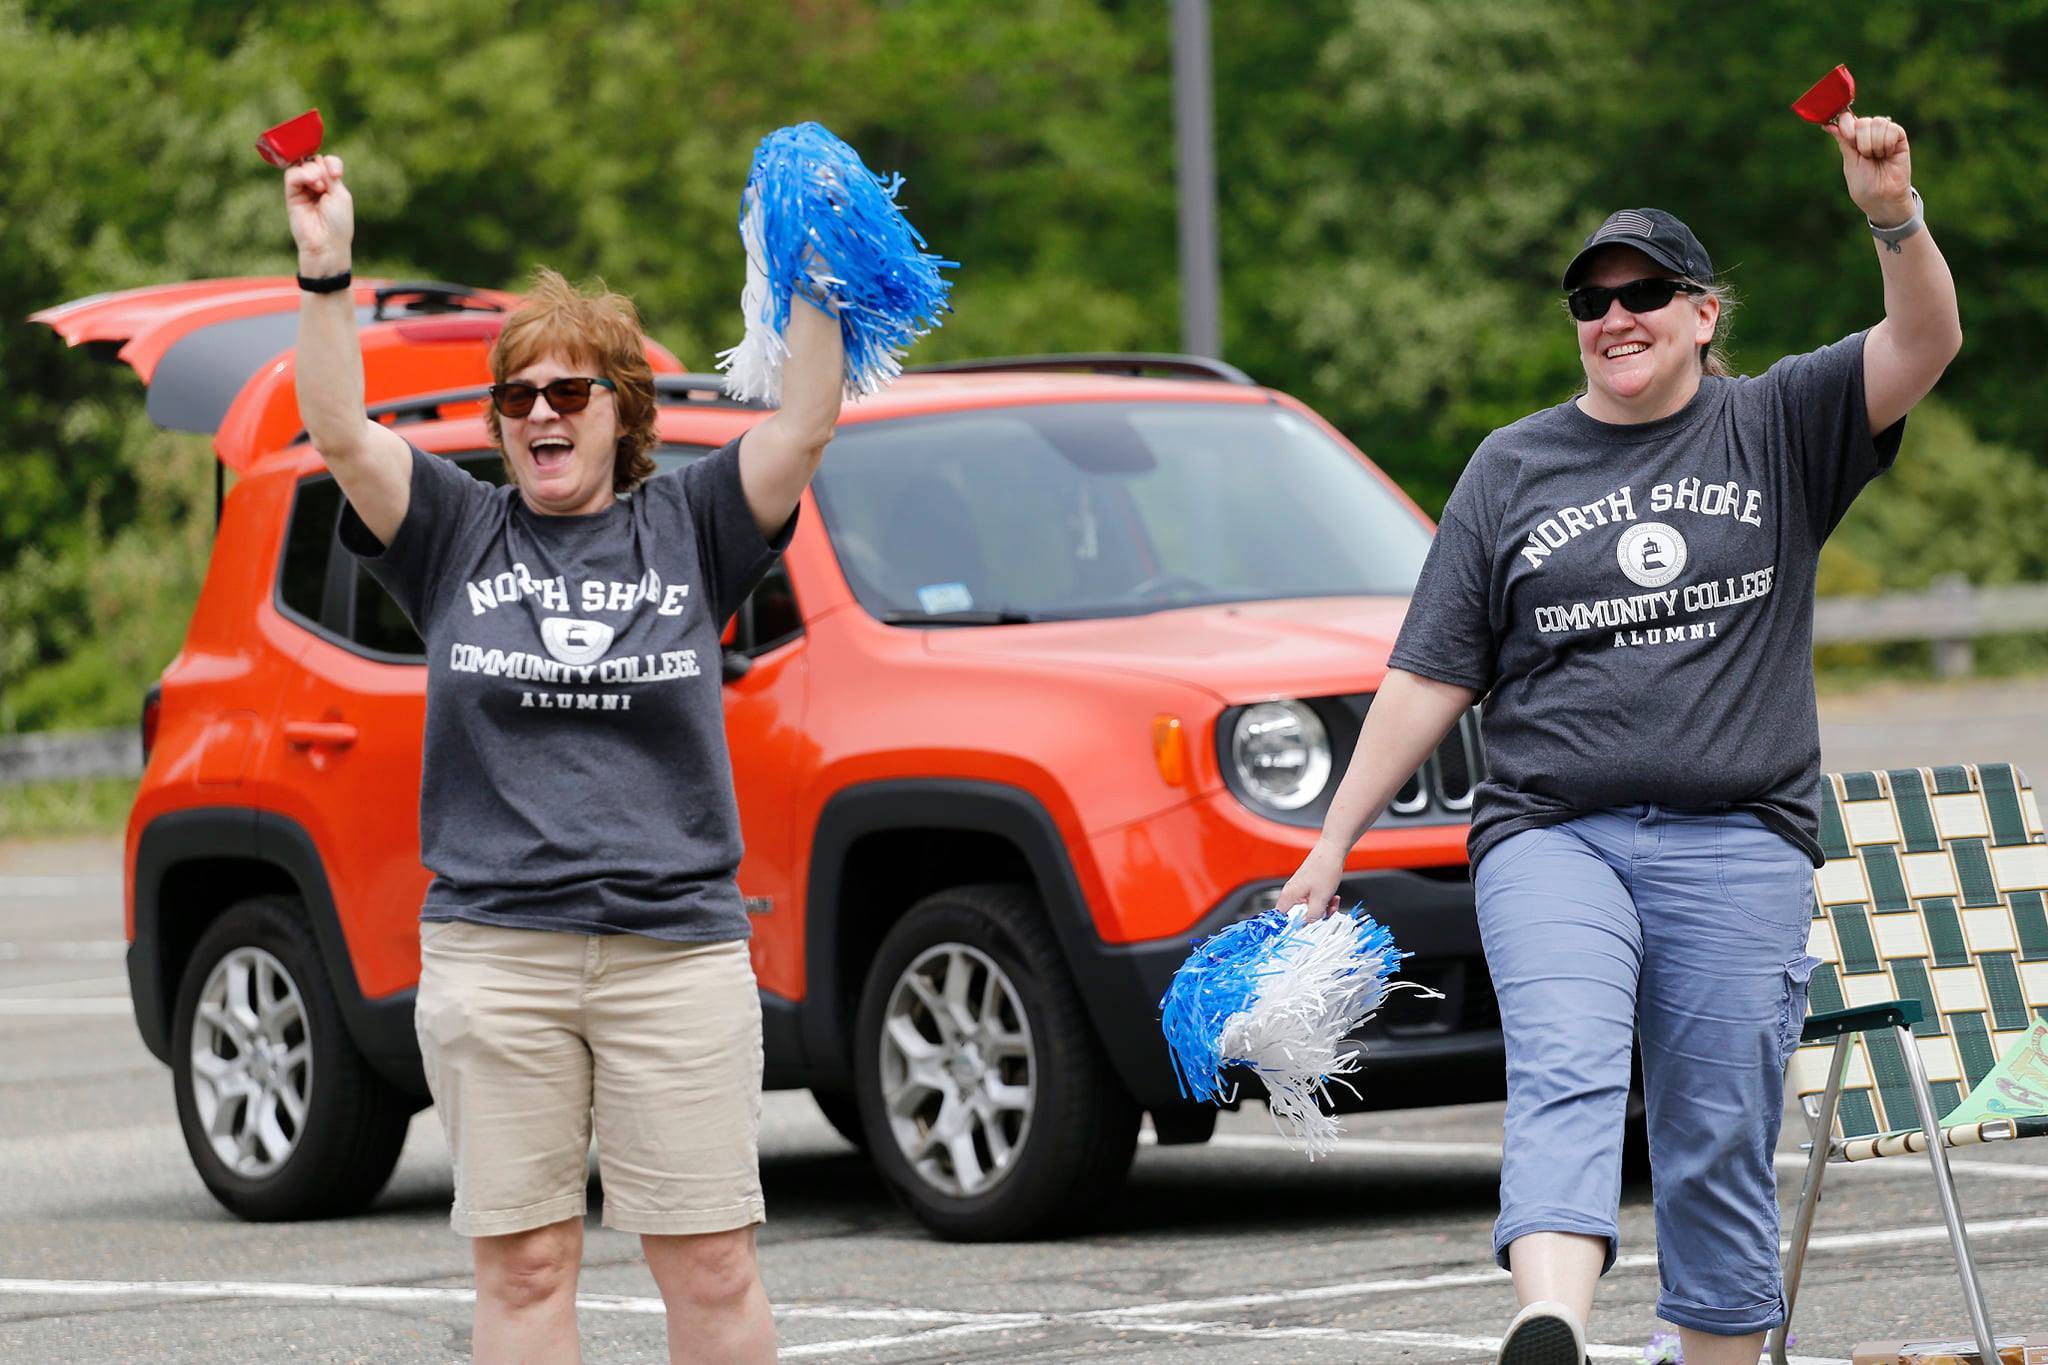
[1122, 1019]
[381, 1029]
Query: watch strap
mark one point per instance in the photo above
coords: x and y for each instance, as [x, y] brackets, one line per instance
[1892, 236]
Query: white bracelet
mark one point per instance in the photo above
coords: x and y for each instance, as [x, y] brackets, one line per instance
[1892, 236]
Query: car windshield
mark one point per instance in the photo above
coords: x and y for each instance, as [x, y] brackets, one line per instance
[1106, 509]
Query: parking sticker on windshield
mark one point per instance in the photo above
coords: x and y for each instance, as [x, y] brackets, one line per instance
[939, 598]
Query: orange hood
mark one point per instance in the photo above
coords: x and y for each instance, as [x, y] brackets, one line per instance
[1240, 651]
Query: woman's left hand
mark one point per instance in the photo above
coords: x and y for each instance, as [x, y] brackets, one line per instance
[1877, 165]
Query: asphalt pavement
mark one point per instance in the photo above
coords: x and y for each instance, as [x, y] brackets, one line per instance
[1238, 1251]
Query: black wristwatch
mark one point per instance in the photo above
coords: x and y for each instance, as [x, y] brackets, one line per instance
[326, 284]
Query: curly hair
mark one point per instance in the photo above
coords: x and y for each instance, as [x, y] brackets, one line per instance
[599, 328]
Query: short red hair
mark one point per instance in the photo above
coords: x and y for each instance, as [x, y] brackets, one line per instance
[598, 328]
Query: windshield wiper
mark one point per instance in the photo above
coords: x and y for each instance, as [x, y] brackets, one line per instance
[1005, 617]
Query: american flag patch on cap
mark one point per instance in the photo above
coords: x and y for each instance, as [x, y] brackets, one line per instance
[1627, 222]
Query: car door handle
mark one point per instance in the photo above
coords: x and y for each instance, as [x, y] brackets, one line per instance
[332, 734]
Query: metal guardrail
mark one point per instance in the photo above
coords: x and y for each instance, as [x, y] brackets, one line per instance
[69, 754]
[1951, 614]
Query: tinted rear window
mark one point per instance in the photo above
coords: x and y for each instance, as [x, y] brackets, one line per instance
[363, 615]
[302, 580]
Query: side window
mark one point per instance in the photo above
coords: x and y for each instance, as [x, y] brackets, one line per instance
[327, 589]
[309, 541]
[489, 467]
[376, 622]
[769, 617]
[366, 616]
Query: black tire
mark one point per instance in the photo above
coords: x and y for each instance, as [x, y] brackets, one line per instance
[842, 1111]
[354, 1121]
[1074, 1149]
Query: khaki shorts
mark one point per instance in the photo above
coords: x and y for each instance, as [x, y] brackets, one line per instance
[528, 1035]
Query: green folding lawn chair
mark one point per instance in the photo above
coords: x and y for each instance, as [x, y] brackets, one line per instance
[1930, 926]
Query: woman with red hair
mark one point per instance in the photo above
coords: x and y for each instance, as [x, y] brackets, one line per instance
[583, 947]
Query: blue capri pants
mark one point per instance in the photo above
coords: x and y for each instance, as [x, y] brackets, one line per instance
[1685, 930]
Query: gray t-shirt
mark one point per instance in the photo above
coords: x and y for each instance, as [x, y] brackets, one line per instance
[575, 769]
[1636, 602]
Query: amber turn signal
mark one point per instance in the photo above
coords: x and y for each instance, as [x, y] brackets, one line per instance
[1170, 749]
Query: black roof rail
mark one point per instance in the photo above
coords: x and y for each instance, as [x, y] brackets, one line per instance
[427, 407]
[700, 388]
[417, 407]
[434, 297]
[1099, 362]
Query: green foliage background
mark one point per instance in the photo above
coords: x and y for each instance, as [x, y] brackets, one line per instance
[1400, 181]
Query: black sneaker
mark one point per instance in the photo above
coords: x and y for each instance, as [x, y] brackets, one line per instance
[1543, 1333]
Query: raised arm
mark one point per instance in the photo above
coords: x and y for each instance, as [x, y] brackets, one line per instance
[1922, 330]
[778, 456]
[370, 462]
[1407, 719]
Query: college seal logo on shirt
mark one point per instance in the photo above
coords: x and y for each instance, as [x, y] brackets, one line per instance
[1651, 554]
[575, 642]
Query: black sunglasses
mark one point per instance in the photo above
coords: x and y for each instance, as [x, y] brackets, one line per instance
[1589, 302]
[515, 397]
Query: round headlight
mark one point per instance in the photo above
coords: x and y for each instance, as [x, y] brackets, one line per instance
[1282, 754]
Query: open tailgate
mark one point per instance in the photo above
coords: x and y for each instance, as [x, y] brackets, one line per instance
[217, 354]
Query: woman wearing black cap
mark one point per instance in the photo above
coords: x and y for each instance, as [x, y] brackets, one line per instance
[1628, 578]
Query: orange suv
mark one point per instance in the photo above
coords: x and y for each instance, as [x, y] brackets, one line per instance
[1058, 673]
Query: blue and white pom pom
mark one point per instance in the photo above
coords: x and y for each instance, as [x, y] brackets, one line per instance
[1280, 996]
[815, 219]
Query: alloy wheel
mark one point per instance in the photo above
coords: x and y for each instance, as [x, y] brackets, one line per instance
[252, 1062]
[959, 1075]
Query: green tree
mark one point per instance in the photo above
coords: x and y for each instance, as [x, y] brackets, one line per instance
[98, 562]
[1432, 169]
[1399, 181]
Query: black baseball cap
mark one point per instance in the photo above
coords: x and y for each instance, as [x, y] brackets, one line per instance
[1653, 232]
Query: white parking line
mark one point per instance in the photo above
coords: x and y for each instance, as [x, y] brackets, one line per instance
[1444, 1341]
[1915, 1168]
[1211, 1329]
[805, 1350]
[1151, 1317]
[797, 1312]
[247, 1289]
[1855, 1241]
[388, 1294]
[945, 1324]
[1146, 1316]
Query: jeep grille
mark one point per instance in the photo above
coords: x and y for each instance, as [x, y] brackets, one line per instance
[1449, 776]
[1440, 792]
